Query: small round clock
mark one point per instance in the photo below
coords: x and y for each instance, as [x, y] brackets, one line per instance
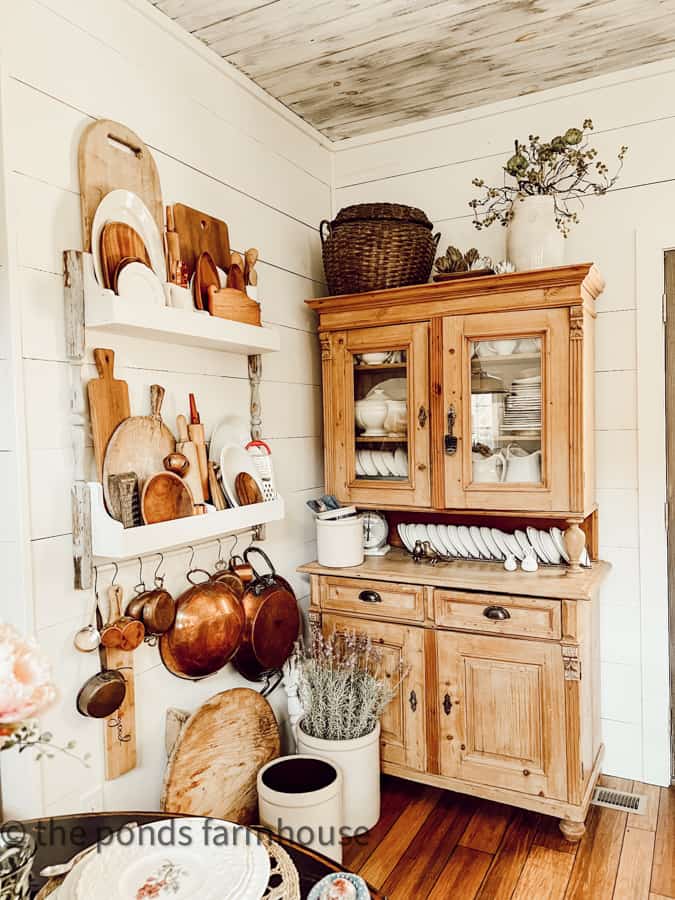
[375, 534]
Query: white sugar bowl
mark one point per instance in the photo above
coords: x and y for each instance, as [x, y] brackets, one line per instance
[371, 412]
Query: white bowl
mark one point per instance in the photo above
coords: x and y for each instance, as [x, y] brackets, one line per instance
[374, 359]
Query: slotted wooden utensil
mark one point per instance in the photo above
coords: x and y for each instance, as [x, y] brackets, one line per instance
[108, 403]
[138, 445]
[120, 241]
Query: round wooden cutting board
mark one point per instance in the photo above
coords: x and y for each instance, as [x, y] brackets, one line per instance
[214, 763]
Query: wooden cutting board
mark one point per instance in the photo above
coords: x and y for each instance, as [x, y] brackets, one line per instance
[119, 729]
[112, 156]
[200, 233]
[108, 403]
[206, 274]
[120, 241]
[215, 760]
[138, 445]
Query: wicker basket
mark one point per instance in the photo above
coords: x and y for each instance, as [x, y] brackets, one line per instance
[373, 246]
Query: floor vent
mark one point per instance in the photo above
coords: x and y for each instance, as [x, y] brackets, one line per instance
[621, 800]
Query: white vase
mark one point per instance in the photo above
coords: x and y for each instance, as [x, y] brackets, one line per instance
[359, 762]
[533, 240]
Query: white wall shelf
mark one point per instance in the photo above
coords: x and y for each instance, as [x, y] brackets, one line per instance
[111, 541]
[105, 311]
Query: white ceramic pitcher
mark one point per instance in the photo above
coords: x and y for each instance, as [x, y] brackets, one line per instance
[522, 466]
[485, 467]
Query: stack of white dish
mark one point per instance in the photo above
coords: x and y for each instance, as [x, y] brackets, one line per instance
[474, 542]
[523, 405]
[382, 463]
[195, 857]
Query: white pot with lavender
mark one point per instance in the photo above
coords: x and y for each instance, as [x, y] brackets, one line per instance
[344, 688]
[544, 181]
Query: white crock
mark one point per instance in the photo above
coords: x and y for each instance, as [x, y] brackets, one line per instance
[359, 762]
[533, 240]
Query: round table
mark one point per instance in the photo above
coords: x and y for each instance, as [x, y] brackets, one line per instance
[61, 837]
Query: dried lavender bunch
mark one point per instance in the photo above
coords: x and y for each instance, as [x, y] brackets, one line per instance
[344, 687]
[565, 168]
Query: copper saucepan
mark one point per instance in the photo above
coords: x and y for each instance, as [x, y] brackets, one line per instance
[207, 629]
[272, 621]
[156, 609]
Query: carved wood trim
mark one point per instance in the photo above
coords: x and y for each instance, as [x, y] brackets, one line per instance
[571, 663]
[576, 407]
[438, 414]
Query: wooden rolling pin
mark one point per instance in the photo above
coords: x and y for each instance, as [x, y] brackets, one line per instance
[198, 438]
[185, 446]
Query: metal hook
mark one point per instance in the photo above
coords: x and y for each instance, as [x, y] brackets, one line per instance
[159, 579]
[192, 556]
[234, 545]
[220, 562]
[140, 587]
[96, 582]
[114, 578]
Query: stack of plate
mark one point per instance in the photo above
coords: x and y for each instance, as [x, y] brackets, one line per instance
[180, 858]
[523, 405]
[382, 463]
[473, 542]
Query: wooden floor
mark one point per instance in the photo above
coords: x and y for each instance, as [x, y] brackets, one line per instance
[443, 846]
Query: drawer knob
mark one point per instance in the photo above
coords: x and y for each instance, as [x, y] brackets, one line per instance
[370, 597]
[447, 704]
[497, 613]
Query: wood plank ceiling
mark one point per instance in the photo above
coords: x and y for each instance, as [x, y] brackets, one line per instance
[351, 67]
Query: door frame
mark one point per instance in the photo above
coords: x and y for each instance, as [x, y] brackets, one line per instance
[651, 244]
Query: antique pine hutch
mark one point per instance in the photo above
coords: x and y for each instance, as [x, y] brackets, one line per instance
[501, 695]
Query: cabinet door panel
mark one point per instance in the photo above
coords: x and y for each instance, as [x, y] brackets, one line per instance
[376, 414]
[403, 722]
[502, 713]
[506, 376]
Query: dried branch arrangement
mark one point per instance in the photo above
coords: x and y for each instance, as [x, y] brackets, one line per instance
[565, 168]
[344, 687]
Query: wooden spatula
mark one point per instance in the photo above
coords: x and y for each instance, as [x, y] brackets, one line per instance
[108, 402]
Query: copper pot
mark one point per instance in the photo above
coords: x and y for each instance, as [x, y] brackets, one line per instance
[207, 629]
[156, 609]
[272, 622]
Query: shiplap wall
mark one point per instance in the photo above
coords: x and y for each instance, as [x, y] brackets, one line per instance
[218, 148]
[432, 167]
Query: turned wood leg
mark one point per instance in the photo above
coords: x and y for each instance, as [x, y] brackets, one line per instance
[572, 831]
[575, 541]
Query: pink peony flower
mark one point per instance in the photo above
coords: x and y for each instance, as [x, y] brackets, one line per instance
[26, 689]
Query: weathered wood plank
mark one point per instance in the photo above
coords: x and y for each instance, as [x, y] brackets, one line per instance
[545, 874]
[462, 876]
[510, 859]
[635, 865]
[663, 875]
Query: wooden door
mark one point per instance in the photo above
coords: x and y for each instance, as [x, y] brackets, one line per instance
[502, 712]
[376, 415]
[402, 646]
[506, 378]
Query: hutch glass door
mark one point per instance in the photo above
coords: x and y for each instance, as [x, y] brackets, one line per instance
[385, 416]
[505, 383]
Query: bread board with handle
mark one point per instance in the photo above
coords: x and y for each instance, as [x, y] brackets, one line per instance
[138, 445]
[119, 729]
[200, 233]
[112, 156]
[108, 403]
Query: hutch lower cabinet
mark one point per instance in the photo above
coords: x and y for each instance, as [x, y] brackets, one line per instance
[500, 697]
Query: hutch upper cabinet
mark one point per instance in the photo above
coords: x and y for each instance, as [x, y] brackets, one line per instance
[474, 394]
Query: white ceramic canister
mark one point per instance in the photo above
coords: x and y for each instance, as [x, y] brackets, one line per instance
[300, 797]
[340, 542]
[359, 762]
[533, 240]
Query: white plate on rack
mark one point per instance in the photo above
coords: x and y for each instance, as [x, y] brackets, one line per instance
[419, 533]
[559, 541]
[550, 548]
[456, 539]
[401, 462]
[368, 464]
[490, 542]
[467, 540]
[394, 389]
[403, 534]
[388, 459]
[360, 471]
[514, 547]
[444, 535]
[500, 541]
[533, 536]
[435, 539]
[380, 463]
[230, 430]
[127, 207]
[139, 284]
[477, 537]
[524, 543]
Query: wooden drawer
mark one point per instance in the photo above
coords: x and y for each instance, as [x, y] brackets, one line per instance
[518, 616]
[373, 598]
